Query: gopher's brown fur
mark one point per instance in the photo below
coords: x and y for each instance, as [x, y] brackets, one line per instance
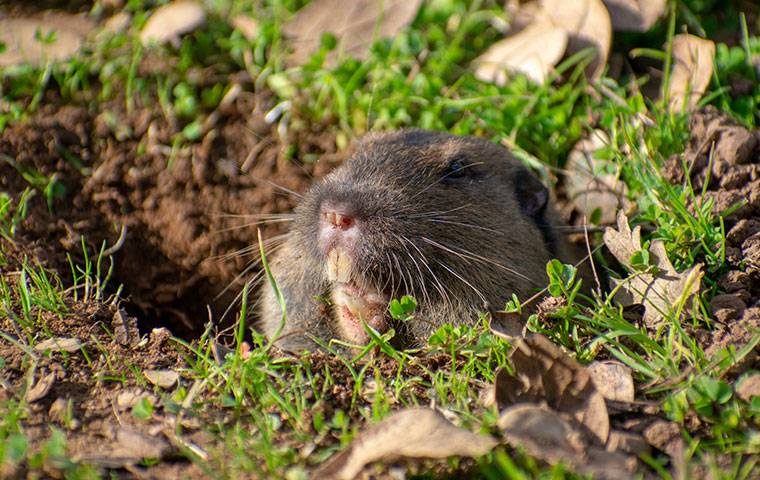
[457, 222]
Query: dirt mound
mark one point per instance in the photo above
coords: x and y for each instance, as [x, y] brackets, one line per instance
[723, 158]
[186, 210]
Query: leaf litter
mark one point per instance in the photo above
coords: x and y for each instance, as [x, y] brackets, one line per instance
[533, 52]
[550, 407]
[635, 15]
[40, 38]
[660, 288]
[59, 344]
[412, 433]
[693, 59]
[355, 25]
[552, 30]
[545, 374]
[169, 22]
[590, 185]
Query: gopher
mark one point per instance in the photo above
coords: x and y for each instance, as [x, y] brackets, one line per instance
[455, 221]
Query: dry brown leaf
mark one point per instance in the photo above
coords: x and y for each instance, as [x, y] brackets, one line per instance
[41, 388]
[544, 434]
[634, 15]
[660, 293]
[22, 46]
[541, 426]
[613, 380]
[588, 187]
[170, 21]
[693, 59]
[533, 52]
[355, 24]
[130, 448]
[162, 378]
[545, 31]
[587, 24]
[59, 344]
[507, 325]
[522, 14]
[410, 433]
[544, 373]
[143, 445]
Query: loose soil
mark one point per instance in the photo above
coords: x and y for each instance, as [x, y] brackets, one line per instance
[190, 214]
[722, 159]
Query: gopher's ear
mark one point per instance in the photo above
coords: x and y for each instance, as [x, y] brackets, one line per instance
[532, 195]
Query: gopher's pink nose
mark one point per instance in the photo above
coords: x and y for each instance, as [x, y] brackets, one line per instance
[338, 226]
[337, 219]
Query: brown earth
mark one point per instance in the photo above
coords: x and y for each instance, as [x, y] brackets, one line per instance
[186, 212]
[723, 158]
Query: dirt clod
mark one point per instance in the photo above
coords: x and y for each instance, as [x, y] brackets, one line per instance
[727, 307]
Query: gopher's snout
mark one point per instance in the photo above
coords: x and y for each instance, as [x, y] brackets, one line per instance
[338, 228]
[353, 299]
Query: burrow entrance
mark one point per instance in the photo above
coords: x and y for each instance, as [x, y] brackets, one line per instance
[189, 212]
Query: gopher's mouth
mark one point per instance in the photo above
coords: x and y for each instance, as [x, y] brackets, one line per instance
[352, 304]
[354, 300]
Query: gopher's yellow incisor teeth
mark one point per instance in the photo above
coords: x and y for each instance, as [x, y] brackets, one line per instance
[338, 266]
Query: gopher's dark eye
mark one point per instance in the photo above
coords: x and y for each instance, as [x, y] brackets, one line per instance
[456, 169]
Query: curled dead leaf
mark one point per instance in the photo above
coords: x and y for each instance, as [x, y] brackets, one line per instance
[587, 24]
[589, 186]
[533, 52]
[425, 432]
[170, 21]
[693, 59]
[613, 380]
[355, 24]
[544, 434]
[41, 388]
[634, 15]
[659, 292]
[544, 373]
